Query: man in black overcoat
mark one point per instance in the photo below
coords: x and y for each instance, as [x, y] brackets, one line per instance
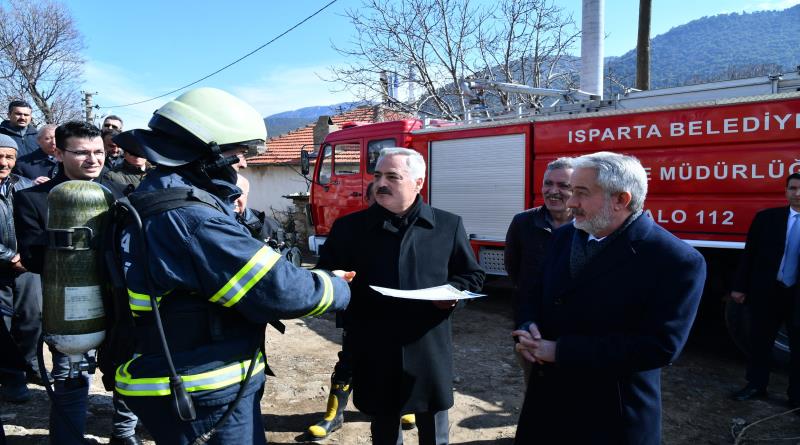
[767, 283]
[615, 303]
[401, 349]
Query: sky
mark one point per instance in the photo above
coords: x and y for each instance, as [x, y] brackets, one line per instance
[141, 49]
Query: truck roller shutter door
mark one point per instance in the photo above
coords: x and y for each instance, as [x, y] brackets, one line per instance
[481, 179]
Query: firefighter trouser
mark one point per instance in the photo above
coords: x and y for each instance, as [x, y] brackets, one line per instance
[244, 427]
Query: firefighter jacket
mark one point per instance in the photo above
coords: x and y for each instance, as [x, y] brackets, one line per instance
[217, 287]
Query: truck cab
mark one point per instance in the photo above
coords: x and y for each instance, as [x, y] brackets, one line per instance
[344, 167]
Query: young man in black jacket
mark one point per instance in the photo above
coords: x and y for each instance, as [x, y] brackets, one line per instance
[79, 150]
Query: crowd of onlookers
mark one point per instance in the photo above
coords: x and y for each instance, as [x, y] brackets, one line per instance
[603, 296]
[30, 158]
[31, 163]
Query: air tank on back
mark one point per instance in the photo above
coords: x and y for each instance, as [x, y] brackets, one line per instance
[72, 279]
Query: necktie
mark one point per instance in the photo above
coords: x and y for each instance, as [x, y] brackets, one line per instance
[791, 255]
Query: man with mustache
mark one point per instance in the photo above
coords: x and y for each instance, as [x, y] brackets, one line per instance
[400, 351]
[113, 151]
[342, 378]
[19, 127]
[612, 306]
[529, 233]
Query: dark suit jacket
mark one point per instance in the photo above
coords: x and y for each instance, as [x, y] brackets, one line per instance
[401, 349]
[36, 164]
[766, 240]
[623, 317]
[30, 219]
[526, 240]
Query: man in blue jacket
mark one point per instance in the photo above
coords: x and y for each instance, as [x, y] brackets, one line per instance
[614, 304]
[215, 286]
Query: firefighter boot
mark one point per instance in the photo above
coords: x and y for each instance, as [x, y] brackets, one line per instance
[334, 415]
[408, 422]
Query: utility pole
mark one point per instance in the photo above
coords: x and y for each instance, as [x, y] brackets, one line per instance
[643, 46]
[87, 100]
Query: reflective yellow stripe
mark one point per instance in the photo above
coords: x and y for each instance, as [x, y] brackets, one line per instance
[140, 302]
[159, 386]
[247, 277]
[327, 295]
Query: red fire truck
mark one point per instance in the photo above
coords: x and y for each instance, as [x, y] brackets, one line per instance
[715, 154]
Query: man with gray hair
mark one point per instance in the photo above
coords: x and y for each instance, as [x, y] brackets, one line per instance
[41, 165]
[400, 351]
[612, 306]
[528, 236]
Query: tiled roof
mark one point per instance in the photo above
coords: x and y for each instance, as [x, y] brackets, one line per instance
[285, 149]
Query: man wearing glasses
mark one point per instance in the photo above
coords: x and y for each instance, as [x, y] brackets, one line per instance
[113, 122]
[80, 153]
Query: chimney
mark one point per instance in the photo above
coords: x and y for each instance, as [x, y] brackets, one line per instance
[323, 126]
[384, 80]
[592, 47]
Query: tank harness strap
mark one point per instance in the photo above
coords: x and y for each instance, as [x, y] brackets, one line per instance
[160, 201]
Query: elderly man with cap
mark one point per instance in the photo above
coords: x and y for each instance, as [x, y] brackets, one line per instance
[20, 290]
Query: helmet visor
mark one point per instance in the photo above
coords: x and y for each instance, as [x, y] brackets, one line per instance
[255, 147]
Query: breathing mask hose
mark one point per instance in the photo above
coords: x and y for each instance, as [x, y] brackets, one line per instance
[220, 163]
[182, 401]
[74, 430]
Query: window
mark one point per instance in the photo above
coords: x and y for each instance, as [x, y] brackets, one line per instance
[346, 159]
[374, 150]
[325, 168]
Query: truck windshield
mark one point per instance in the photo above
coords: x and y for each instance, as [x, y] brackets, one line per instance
[374, 150]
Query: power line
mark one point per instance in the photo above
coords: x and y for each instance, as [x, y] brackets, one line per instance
[230, 64]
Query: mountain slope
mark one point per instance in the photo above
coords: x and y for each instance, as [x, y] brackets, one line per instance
[711, 48]
[280, 123]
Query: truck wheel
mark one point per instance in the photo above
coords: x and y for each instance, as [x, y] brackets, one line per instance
[737, 320]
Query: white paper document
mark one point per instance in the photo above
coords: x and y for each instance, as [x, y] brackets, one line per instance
[438, 293]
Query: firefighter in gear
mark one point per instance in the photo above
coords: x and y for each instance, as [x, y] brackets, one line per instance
[215, 286]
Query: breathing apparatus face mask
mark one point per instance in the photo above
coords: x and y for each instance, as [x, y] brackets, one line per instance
[220, 165]
[215, 172]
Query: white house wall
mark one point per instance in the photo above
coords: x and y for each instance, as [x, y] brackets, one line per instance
[268, 184]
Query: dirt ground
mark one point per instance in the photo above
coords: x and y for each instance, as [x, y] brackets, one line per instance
[488, 389]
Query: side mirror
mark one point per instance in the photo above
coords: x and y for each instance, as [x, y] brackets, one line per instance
[305, 163]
